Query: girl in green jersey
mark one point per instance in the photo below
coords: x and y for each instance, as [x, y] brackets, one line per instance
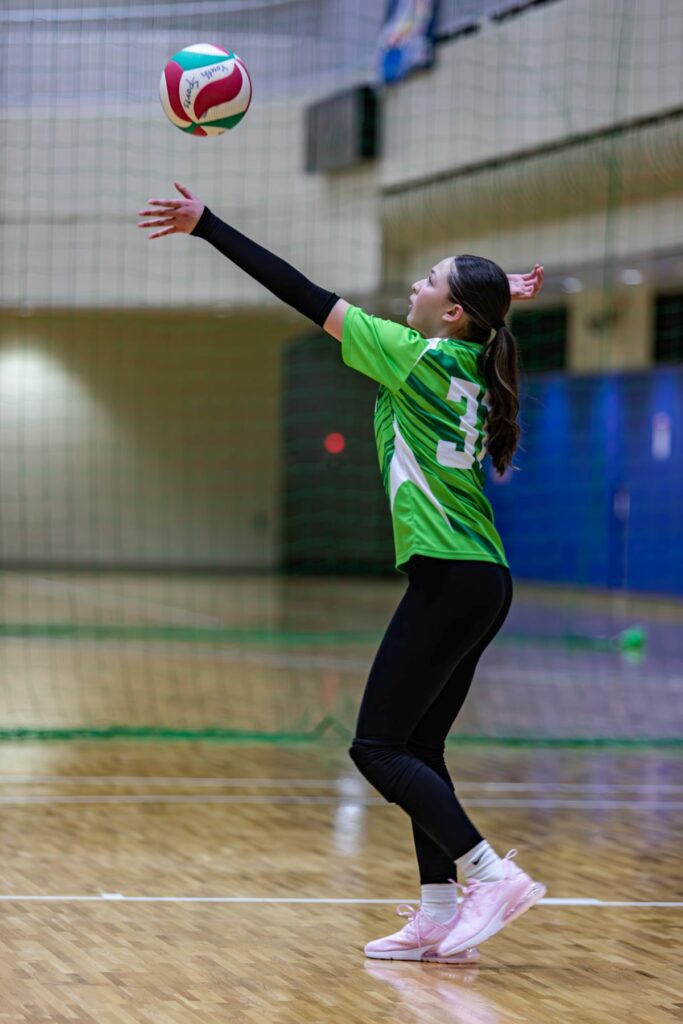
[448, 397]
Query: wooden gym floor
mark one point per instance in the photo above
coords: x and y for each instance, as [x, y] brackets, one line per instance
[196, 882]
[175, 883]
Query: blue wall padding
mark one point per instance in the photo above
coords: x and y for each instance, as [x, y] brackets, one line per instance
[598, 495]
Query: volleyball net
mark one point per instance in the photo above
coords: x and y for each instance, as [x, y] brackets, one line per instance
[194, 537]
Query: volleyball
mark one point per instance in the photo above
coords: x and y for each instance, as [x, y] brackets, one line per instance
[205, 89]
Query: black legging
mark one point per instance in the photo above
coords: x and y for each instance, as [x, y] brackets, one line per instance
[418, 682]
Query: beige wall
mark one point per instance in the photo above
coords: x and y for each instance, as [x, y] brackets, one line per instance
[556, 71]
[134, 439]
[586, 207]
[73, 185]
[611, 330]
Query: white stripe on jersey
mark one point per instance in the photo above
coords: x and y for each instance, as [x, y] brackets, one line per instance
[404, 468]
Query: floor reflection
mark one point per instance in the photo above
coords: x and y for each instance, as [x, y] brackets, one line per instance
[426, 989]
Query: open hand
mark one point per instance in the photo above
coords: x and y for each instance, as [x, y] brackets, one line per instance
[526, 286]
[178, 216]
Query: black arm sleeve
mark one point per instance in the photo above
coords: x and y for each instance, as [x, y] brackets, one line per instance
[274, 273]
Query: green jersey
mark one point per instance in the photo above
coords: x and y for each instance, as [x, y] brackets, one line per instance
[431, 441]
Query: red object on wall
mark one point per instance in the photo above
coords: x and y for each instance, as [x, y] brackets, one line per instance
[335, 443]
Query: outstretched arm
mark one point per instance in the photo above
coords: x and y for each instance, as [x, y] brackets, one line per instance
[190, 216]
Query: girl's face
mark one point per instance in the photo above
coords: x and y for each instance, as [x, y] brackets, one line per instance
[431, 310]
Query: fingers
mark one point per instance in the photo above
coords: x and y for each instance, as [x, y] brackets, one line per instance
[170, 212]
[156, 223]
[533, 281]
[172, 203]
[527, 286]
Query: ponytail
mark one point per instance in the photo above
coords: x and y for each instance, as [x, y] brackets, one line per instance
[483, 291]
[499, 363]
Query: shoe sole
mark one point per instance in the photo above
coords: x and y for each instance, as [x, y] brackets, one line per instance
[463, 959]
[530, 897]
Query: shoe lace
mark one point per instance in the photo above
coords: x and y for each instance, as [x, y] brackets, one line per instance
[413, 915]
[465, 890]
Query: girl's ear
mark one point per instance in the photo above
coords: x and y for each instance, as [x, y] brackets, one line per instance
[454, 314]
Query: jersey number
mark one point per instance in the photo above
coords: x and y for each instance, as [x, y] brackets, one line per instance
[465, 395]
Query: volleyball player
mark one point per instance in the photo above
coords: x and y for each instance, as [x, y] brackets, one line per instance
[448, 396]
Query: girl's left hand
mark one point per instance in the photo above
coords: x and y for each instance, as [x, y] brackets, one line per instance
[180, 216]
[526, 286]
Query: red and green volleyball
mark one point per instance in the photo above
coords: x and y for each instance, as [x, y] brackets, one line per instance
[205, 89]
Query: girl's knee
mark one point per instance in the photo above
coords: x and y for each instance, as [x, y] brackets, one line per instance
[380, 762]
[431, 754]
[364, 753]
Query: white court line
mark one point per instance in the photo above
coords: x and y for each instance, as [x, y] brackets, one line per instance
[117, 897]
[294, 783]
[233, 798]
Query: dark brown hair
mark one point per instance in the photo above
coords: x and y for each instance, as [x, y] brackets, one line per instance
[483, 291]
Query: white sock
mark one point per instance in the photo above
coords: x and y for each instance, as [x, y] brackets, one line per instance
[481, 862]
[439, 901]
